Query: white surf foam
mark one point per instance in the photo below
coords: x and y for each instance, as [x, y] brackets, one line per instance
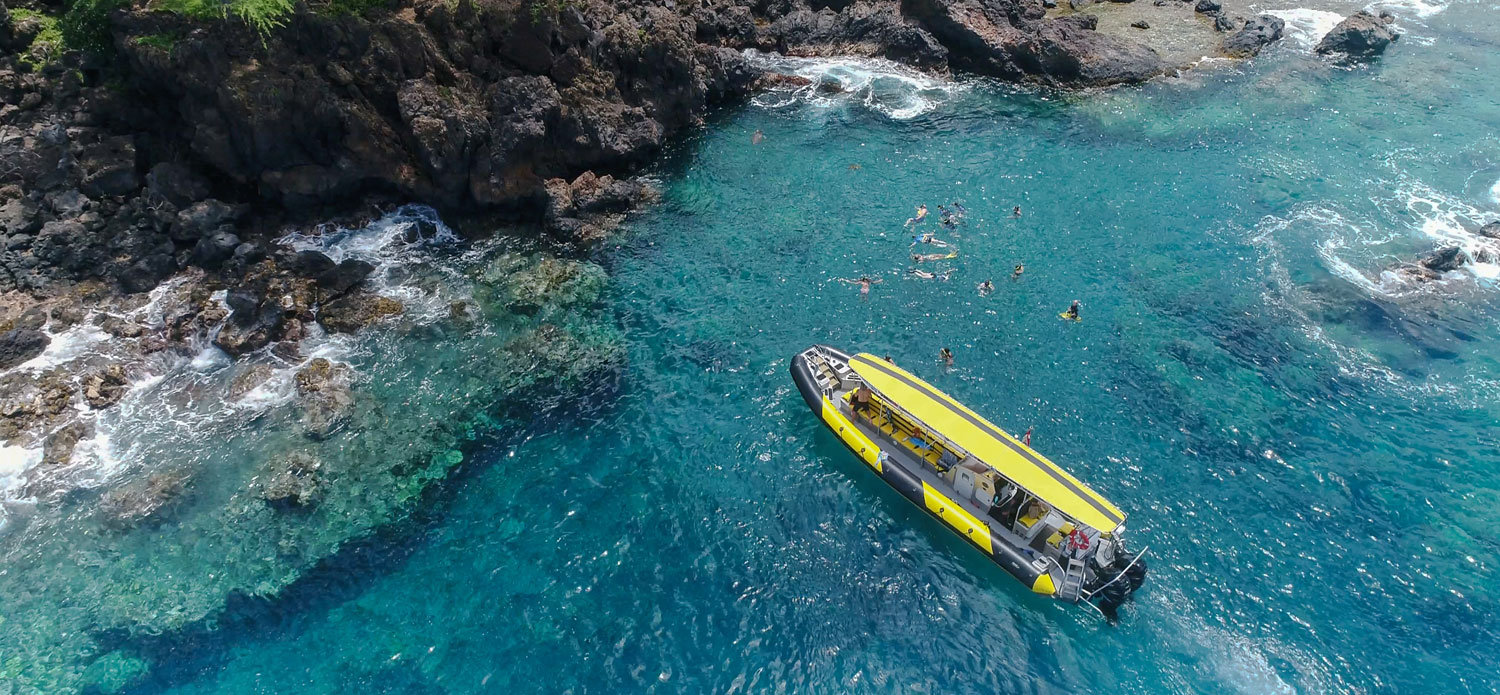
[1307, 26]
[1495, 191]
[66, 346]
[1447, 220]
[178, 396]
[896, 91]
[1418, 8]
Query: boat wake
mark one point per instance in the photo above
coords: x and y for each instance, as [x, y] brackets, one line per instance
[892, 90]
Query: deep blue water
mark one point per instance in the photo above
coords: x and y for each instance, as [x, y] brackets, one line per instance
[1307, 447]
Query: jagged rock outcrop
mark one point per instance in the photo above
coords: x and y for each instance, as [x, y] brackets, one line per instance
[148, 500]
[324, 392]
[1490, 230]
[293, 481]
[356, 310]
[1361, 36]
[21, 344]
[220, 133]
[1255, 35]
[587, 208]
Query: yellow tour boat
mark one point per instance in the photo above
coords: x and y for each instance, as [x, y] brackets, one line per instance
[1053, 533]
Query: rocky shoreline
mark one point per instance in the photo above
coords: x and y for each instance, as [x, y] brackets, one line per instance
[190, 144]
[168, 194]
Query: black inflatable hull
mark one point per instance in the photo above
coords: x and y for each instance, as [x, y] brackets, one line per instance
[925, 497]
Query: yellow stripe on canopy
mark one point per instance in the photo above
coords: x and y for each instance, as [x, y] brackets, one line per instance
[988, 443]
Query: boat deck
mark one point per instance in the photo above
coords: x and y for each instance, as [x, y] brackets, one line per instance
[924, 469]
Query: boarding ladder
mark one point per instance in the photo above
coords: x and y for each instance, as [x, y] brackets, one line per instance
[1072, 586]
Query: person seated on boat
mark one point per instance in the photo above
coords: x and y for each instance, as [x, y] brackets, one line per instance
[1034, 513]
[861, 403]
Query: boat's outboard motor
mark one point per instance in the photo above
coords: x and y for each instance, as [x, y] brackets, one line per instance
[1134, 573]
[1114, 584]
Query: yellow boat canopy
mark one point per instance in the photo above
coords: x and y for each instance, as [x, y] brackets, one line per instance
[988, 443]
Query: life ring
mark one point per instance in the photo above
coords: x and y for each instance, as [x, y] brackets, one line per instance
[1078, 540]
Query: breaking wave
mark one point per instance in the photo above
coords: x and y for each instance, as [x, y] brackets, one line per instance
[178, 397]
[1307, 26]
[893, 90]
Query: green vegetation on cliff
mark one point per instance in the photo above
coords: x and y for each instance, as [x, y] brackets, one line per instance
[48, 42]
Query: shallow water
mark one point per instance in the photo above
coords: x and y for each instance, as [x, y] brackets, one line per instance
[1305, 443]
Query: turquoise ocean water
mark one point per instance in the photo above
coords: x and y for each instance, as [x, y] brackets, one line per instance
[1307, 444]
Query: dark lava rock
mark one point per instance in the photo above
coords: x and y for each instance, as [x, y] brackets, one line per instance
[21, 344]
[1254, 36]
[586, 209]
[237, 339]
[1207, 6]
[1223, 23]
[244, 305]
[212, 250]
[20, 216]
[58, 447]
[1491, 230]
[292, 482]
[336, 277]
[1079, 4]
[108, 167]
[356, 310]
[176, 183]
[1445, 259]
[202, 218]
[147, 273]
[323, 388]
[142, 501]
[1141, 24]
[249, 379]
[105, 388]
[1361, 36]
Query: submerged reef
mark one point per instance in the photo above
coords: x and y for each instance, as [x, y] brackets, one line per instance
[308, 457]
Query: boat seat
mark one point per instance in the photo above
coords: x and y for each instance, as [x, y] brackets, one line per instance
[1028, 521]
[1056, 539]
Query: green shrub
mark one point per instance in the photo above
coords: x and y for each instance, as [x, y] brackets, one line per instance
[263, 15]
[85, 26]
[48, 42]
[165, 42]
[338, 8]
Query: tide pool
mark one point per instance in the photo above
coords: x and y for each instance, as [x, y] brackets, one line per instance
[1305, 441]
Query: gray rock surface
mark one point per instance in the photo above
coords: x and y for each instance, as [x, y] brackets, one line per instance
[1361, 36]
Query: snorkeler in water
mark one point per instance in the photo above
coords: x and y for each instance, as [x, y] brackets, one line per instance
[928, 238]
[1017, 274]
[757, 137]
[919, 258]
[985, 288]
[921, 215]
[1016, 212]
[925, 275]
[946, 356]
[864, 282]
[1072, 312]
